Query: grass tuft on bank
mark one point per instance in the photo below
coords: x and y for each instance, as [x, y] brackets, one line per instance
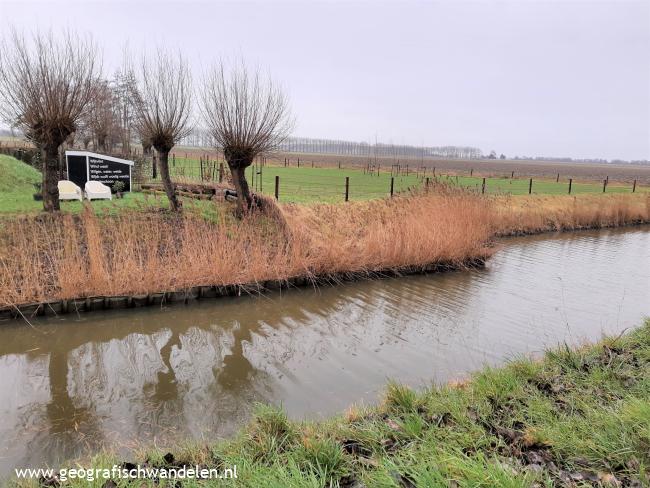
[576, 417]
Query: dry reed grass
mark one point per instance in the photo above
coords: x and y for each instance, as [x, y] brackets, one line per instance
[69, 256]
[49, 257]
[535, 214]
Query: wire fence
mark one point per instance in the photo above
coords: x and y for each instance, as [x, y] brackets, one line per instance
[304, 182]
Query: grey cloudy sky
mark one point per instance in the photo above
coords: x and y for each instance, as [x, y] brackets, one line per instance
[535, 78]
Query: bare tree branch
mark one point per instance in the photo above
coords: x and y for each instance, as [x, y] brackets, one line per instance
[246, 116]
[163, 107]
[46, 85]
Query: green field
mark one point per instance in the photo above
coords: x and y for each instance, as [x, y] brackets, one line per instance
[297, 185]
[307, 184]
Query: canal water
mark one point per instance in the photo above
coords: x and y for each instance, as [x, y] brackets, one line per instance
[74, 384]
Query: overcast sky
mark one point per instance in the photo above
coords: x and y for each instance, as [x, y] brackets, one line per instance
[524, 78]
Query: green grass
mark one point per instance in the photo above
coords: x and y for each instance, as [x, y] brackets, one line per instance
[307, 184]
[17, 182]
[17, 187]
[297, 185]
[577, 417]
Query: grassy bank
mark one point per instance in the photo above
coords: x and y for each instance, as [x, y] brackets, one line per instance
[576, 417]
[17, 185]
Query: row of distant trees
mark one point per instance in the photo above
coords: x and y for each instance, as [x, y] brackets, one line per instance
[52, 89]
[307, 145]
[380, 150]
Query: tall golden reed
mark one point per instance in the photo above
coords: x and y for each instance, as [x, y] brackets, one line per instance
[49, 257]
[66, 256]
[534, 214]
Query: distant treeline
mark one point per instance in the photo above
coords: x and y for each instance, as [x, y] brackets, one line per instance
[305, 145]
[349, 148]
[580, 160]
[380, 150]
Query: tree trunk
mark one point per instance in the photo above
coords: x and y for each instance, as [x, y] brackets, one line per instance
[154, 166]
[244, 199]
[174, 203]
[51, 179]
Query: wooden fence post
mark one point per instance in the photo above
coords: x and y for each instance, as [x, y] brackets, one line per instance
[570, 183]
[277, 187]
[471, 172]
[483, 186]
[634, 186]
[557, 180]
[512, 175]
[221, 172]
[392, 185]
[604, 185]
[427, 183]
[347, 188]
[530, 186]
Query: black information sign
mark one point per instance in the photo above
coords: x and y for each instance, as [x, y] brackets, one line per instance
[108, 172]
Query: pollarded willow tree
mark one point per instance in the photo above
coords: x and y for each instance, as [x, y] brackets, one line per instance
[246, 116]
[162, 102]
[46, 85]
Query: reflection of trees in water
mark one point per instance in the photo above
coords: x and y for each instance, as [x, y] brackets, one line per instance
[175, 372]
[73, 426]
[61, 428]
[25, 390]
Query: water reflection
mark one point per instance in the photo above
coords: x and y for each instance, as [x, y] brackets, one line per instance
[73, 384]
